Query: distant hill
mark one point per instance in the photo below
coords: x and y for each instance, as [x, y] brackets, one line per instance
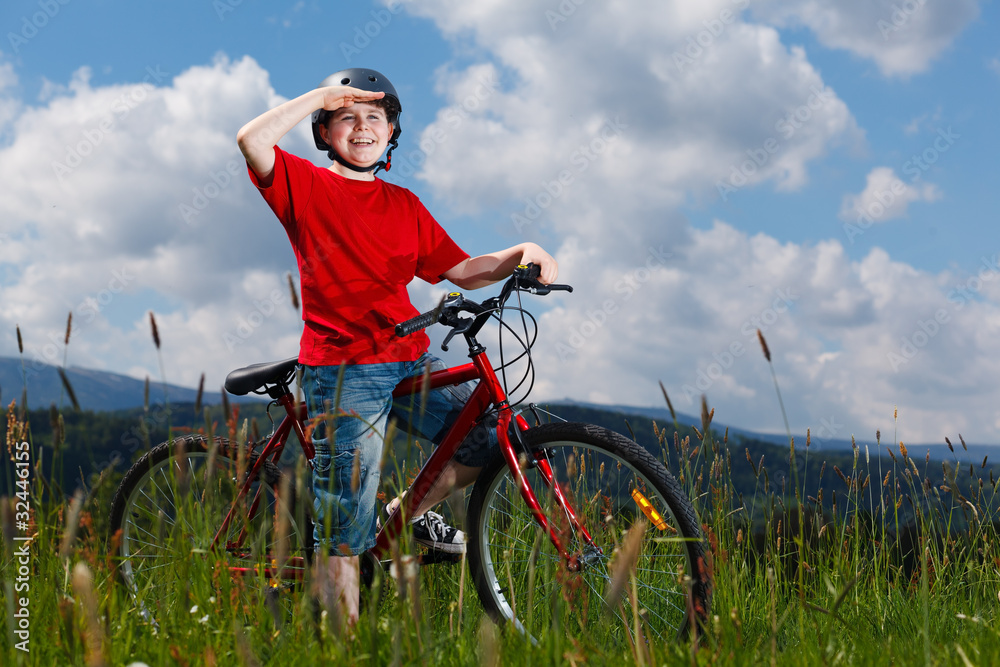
[662, 415]
[939, 451]
[92, 442]
[102, 391]
[95, 390]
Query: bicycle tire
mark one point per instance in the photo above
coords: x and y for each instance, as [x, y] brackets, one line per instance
[154, 538]
[520, 578]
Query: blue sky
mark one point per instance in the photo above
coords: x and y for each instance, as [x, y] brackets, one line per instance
[500, 99]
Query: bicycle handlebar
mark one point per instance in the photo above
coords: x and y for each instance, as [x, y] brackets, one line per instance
[524, 278]
[415, 324]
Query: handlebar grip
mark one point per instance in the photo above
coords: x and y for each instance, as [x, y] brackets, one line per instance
[417, 323]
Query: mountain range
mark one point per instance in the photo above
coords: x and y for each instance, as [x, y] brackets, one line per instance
[102, 391]
[95, 390]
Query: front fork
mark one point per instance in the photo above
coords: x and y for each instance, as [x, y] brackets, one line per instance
[520, 458]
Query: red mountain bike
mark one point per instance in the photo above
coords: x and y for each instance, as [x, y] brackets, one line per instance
[548, 512]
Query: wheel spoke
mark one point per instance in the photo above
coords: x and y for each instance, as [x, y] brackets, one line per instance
[150, 562]
[597, 476]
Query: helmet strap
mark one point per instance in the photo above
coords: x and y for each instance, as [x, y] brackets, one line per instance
[335, 156]
[385, 164]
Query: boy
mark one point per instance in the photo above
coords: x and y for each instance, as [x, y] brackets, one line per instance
[358, 242]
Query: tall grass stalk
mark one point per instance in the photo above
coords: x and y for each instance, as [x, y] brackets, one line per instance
[910, 577]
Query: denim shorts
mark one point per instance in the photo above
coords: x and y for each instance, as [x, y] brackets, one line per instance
[344, 506]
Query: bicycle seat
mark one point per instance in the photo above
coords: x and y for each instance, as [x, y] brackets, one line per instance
[244, 380]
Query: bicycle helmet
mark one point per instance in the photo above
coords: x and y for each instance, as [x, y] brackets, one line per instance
[363, 79]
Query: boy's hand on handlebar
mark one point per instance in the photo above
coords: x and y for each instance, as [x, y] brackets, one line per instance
[533, 254]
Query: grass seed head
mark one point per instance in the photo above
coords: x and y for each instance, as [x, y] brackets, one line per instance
[156, 332]
[841, 475]
[623, 564]
[670, 405]
[68, 387]
[7, 515]
[83, 588]
[198, 397]
[763, 346]
[72, 524]
[291, 289]
[356, 471]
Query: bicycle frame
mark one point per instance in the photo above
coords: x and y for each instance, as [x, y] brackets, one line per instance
[489, 391]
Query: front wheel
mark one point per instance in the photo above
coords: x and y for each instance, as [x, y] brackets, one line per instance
[611, 483]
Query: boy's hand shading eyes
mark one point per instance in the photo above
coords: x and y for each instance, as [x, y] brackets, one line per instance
[338, 97]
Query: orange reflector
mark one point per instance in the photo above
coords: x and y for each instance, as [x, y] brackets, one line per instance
[648, 509]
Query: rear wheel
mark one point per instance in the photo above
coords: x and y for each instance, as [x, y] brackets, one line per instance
[612, 483]
[171, 504]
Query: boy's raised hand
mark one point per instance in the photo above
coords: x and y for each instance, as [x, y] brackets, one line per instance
[338, 97]
[257, 138]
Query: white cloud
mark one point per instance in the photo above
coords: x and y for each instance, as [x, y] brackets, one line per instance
[885, 197]
[8, 77]
[645, 121]
[607, 144]
[902, 37]
[93, 221]
[659, 300]
[850, 340]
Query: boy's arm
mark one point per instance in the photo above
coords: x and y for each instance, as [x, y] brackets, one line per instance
[484, 270]
[258, 137]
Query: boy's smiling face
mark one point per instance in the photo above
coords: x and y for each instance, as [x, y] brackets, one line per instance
[359, 133]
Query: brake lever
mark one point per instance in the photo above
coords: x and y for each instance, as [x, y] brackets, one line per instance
[542, 290]
[464, 324]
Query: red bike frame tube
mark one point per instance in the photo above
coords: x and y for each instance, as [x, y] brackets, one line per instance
[488, 391]
[478, 403]
[546, 470]
[275, 445]
[297, 414]
[490, 379]
[437, 379]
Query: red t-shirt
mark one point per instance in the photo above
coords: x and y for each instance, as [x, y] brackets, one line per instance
[358, 245]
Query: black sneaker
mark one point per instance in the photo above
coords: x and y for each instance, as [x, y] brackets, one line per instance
[431, 531]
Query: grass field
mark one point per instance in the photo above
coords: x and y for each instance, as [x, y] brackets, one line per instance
[895, 570]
